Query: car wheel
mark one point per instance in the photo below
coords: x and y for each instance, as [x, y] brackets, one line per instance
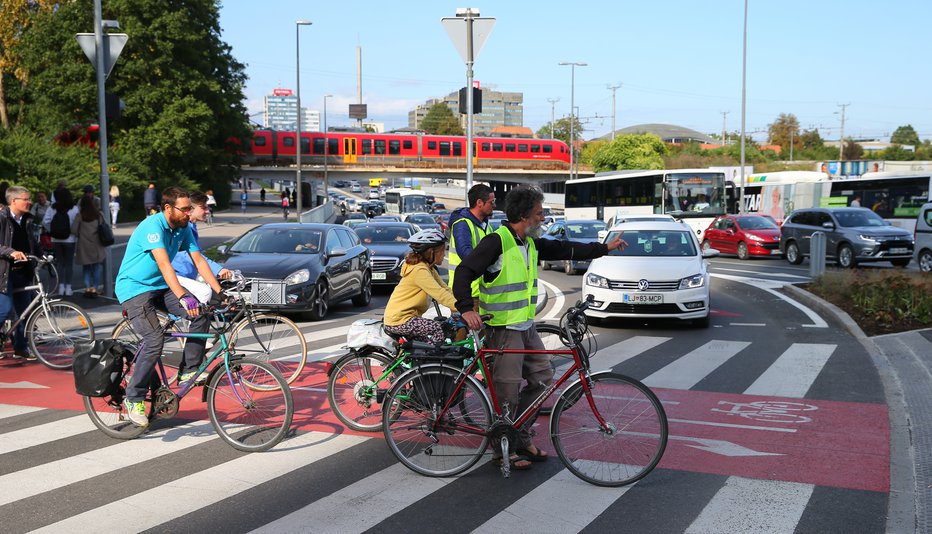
[319, 302]
[846, 257]
[925, 261]
[901, 263]
[792, 253]
[365, 294]
[544, 266]
[568, 267]
[743, 251]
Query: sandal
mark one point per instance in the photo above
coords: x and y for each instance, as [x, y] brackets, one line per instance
[518, 463]
[540, 456]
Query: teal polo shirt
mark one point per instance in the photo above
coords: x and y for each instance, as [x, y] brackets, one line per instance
[139, 273]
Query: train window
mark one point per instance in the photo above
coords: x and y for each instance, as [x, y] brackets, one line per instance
[522, 147]
[509, 147]
[380, 146]
[367, 146]
[432, 145]
[407, 145]
[548, 149]
[496, 147]
[394, 147]
[444, 148]
[334, 147]
[258, 141]
[457, 149]
[305, 145]
[535, 147]
[486, 147]
[288, 141]
[318, 146]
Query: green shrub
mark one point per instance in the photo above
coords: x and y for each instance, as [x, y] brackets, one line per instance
[890, 296]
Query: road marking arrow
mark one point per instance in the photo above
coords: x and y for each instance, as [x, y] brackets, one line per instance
[723, 448]
[21, 385]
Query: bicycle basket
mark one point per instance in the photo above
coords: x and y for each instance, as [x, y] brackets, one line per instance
[267, 292]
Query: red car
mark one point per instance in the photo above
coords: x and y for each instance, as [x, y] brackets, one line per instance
[744, 235]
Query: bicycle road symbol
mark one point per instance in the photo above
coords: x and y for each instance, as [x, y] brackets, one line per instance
[768, 411]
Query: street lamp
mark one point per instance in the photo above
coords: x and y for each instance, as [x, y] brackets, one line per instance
[326, 149]
[573, 65]
[297, 55]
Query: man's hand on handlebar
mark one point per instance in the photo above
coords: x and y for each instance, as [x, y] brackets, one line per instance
[472, 320]
[18, 255]
[225, 274]
[190, 304]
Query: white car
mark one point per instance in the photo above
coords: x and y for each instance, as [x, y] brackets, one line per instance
[662, 273]
[374, 194]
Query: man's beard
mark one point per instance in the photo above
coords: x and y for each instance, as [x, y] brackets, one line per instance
[534, 232]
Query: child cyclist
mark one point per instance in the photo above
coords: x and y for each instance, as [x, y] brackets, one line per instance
[419, 279]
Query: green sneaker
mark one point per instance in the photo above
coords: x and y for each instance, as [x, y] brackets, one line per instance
[187, 377]
[136, 411]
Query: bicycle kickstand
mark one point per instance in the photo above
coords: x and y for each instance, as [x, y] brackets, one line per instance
[506, 458]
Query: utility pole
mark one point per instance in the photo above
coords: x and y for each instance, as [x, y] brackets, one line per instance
[841, 138]
[613, 88]
[791, 144]
[724, 117]
[553, 102]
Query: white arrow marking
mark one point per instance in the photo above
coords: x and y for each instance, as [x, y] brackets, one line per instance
[21, 385]
[721, 447]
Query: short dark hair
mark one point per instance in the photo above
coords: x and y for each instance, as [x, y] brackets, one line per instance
[478, 192]
[198, 198]
[171, 194]
[521, 201]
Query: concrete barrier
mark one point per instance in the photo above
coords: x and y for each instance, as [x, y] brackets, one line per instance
[324, 213]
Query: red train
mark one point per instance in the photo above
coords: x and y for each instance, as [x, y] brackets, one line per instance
[271, 147]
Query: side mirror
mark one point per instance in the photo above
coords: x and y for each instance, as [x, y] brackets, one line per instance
[562, 233]
[828, 225]
[602, 235]
[222, 249]
[730, 231]
[339, 251]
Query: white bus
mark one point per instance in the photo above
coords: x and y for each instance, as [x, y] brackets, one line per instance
[695, 196]
[400, 201]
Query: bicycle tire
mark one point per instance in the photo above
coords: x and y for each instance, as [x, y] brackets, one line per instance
[636, 443]
[171, 357]
[109, 415]
[550, 335]
[407, 414]
[48, 275]
[273, 339]
[352, 389]
[53, 329]
[247, 418]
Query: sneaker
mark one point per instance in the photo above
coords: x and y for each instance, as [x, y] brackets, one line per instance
[136, 411]
[186, 377]
[25, 355]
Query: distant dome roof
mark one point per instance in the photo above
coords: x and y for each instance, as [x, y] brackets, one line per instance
[670, 133]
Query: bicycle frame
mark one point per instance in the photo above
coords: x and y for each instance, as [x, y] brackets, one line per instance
[41, 299]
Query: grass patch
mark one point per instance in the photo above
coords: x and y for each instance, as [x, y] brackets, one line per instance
[880, 301]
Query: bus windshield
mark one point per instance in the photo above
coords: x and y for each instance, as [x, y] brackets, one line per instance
[696, 193]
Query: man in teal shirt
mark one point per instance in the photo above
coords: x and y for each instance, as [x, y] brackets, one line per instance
[147, 281]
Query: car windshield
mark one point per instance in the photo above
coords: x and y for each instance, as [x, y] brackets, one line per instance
[757, 223]
[383, 234]
[850, 219]
[654, 243]
[421, 219]
[587, 230]
[279, 241]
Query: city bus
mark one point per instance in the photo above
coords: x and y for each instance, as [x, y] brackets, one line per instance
[401, 201]
[695, 196]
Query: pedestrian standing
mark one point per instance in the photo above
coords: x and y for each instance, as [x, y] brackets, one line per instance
[114, 204]
[262, 195]
[150, 199]
[38, 209]
[90, 253]
[63, 241]
[16, 242]
[242, 199]
[285, 205]
[467, 227]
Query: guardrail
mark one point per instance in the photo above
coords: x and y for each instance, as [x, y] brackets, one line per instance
[321, 214]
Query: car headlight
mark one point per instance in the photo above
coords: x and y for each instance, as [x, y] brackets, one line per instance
[298, 277]
[692, 282]
[752, 237]
[871, 238]
[595, 280]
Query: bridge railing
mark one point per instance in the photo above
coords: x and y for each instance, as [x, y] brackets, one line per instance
[324, 213]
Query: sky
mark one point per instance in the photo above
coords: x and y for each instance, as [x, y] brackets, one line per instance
[677, 62]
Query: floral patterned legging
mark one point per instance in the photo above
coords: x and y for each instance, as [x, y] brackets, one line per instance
[419, 329]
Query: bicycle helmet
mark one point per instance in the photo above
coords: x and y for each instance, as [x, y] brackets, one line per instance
[426, 239]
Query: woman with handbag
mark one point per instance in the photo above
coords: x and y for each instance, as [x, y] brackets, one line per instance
[91, 252]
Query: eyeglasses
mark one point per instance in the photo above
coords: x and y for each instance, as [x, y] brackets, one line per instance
[27, 199]
[186, 209]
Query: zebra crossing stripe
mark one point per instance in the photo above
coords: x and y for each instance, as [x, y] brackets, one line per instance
[620, 352]
[12, 410]
[750, 505]
[381, 495]
[166, 502]
[564, 503]
[794, 371]
[53, 475]
[686, 371]
[39, 434]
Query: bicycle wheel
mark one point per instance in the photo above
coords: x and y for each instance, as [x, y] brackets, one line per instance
[353, 389]
[172, 350]
[631, 446]
[429, 446]
[272, 339]
[53, 329]
[248, 418]
[109, 415]
[550, 335]
[48, 275]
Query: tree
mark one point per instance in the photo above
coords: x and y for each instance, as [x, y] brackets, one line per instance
[783, 130]
[811, 139]
[441, 121]
[896, 152]
[852, 150]
[561, 129]
[15, 18]
[905, 135]
[633, 151]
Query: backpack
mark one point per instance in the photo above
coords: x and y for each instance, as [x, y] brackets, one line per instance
[98, 367]
[60, 227]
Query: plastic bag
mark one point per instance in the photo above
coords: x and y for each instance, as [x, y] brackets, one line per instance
[368, 332]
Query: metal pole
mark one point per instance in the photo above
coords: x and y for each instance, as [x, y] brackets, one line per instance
[552, 101]
[791, 144]
[841, 138]
[102, 143]
[326, 149]
[469, 102]
[613, 88]
[744, 100]
[297, 55]
[724, 117]
[572, 65]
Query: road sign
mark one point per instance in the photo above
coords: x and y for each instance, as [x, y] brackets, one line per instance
[456, 29]
[113, 45]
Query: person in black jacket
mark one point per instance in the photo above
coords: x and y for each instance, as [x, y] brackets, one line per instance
[17, 240]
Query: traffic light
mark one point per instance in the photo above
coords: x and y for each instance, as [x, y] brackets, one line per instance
[114, 106]
[476, 101]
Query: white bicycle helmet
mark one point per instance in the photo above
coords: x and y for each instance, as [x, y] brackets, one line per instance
[426, 239]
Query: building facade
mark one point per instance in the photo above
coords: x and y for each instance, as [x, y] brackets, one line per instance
[499, 108]
[281, 113]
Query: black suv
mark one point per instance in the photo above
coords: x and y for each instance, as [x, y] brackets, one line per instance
[853, 235]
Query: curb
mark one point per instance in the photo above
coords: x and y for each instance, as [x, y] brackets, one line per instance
[541, 299]
[901, 509]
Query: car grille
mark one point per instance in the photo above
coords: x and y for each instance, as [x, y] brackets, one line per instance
[384, 265]
[769, 246]
[900, 243]
[618, 307]
[654, 286]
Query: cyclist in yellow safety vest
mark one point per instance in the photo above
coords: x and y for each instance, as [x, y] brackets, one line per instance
[505, 263]
[467, 227]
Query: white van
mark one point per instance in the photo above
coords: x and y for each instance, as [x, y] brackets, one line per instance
[923, 237]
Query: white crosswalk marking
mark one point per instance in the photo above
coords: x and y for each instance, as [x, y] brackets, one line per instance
[193, 492]
[686, 371]
[610, 356]
[12, 410]
[794, 371]
[39, 434]
[749, 505]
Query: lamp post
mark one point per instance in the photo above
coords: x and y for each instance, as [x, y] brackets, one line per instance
[744, 99]
[552, 101]
[326, 149]
[573, 65]
[297, 55]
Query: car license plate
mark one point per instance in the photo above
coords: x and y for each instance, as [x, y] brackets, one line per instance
[898, 250]
[643, 298]
[775, 251]
[378, 276]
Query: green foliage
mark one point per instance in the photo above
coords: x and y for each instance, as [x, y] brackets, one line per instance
[561, 129]
[590, 148]
[441, 121]
[783, 130]
[905, 135]
[896, 153]
[891, 299]
[852, 151]
[635, 151]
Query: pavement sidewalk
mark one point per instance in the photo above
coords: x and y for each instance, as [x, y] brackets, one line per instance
[904, 361]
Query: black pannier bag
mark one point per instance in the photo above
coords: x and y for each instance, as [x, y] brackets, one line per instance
[98, 367]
